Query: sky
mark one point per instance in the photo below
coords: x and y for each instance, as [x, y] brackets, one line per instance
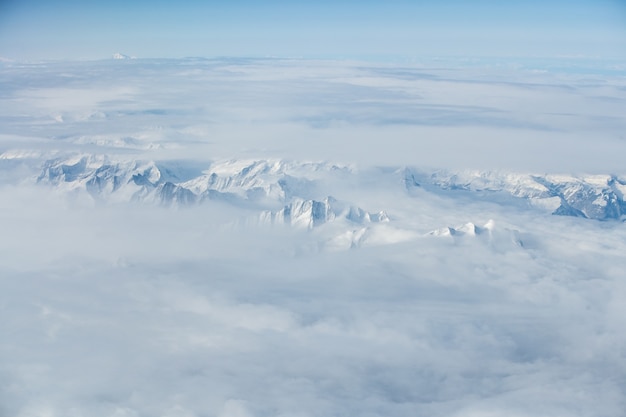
[59, 30]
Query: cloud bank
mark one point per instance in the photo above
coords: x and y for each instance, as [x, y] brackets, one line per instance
[464, 303]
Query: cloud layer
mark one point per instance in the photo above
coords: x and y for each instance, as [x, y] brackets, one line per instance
[121, 312]
[115, 308]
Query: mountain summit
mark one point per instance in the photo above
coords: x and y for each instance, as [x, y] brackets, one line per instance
[118, 55]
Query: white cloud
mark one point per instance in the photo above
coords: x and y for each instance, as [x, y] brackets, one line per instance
[119, 309]
[234, 408]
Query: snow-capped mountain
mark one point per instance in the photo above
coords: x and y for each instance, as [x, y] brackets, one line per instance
[288, 186]
[311, 213]
[501, 237]
[595, 197]
[276, 180]
[118, 55]
[105, 179]
[291, 192]
[263, 182]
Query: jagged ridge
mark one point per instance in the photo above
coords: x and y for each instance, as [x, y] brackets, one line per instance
[282, 189]
[598, 197]
[311, 213]
[257, 184]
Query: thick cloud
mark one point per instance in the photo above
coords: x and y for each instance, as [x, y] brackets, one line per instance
[128, 309]
[545, 116]
[140, 311]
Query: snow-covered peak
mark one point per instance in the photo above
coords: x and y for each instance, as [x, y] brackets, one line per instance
[467, 229]
[311, 213]
[276, 180]
[489, 232]
[518, 185]
[118, 55]
[595, 196]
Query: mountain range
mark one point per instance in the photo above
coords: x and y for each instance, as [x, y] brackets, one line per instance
[285, 190]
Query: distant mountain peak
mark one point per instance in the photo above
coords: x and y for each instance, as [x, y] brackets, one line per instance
[500, 237]
[118, 55]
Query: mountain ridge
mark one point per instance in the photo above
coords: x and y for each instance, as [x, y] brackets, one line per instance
[278, 186]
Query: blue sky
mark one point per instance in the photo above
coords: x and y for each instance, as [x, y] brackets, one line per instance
[31, 29]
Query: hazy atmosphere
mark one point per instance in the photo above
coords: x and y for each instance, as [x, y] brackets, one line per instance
[312, 209]
[72, 29]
